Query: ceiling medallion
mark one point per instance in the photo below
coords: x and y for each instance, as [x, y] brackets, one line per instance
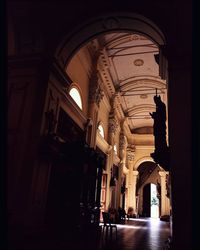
[138, 62]
[143, 96]
[134, 37]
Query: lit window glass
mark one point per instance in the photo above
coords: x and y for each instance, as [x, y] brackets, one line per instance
[115, 149]
[74, 93]
[101, 131]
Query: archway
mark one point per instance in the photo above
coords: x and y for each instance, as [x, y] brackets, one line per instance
[123, 26]
[110, 22]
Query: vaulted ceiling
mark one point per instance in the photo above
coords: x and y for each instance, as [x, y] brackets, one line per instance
[128, 65]
[134, 70]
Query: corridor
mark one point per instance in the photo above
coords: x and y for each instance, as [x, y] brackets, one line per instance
[135, 234]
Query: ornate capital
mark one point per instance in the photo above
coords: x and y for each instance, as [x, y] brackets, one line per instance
[131, 152]
[95, 92]
[113, 125]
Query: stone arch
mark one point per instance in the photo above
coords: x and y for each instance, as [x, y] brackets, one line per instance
[110, 22]
[141, 160]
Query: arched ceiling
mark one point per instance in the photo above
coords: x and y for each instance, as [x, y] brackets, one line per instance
[133, 67]
[128, 66]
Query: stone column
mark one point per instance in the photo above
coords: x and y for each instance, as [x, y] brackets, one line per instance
[112, 128]
[122, 154]
[95, 97]
[164, 199]
[131, 181]
[135, 175]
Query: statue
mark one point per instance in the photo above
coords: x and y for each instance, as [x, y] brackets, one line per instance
[161, 153]
[159, 126]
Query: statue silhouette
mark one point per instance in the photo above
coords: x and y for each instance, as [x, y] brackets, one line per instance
[161, 152]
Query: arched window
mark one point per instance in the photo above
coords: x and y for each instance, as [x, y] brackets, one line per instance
[75, 94]
[101, 130]
[115, 149]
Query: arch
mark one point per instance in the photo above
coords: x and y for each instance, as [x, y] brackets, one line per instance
[110, 22]
[141, 108]
[141, 82]
[141, 160]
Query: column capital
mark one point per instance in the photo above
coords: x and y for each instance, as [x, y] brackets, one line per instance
[130, 152]
[135, 172]
[162, 173]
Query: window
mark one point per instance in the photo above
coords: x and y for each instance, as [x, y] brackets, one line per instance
[115, 149]
[101, 130]
[75, 94]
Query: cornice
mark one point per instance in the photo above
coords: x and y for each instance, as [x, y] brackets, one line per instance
[102, 144]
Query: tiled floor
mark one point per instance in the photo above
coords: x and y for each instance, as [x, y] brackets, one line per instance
[135, 234]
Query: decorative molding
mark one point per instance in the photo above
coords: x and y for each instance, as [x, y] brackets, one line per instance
[143, 82]
[95, 89]
[138, 62]
[145, 141]
[130, 152]
[102, 144]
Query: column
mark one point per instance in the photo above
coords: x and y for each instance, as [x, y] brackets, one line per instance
[122, 155]
[95, 96]
[132, 179]
[135, 175]
[164, 203]
[112, 129]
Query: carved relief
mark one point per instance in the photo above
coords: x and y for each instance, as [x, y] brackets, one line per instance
[131, 152]
[95, 92]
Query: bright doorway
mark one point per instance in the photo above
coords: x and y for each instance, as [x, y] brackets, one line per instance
[154, 201]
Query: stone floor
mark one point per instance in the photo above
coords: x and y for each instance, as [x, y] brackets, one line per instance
[139, 234]
[135, 234]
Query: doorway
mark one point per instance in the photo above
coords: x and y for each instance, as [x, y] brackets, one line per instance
[150, 201]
